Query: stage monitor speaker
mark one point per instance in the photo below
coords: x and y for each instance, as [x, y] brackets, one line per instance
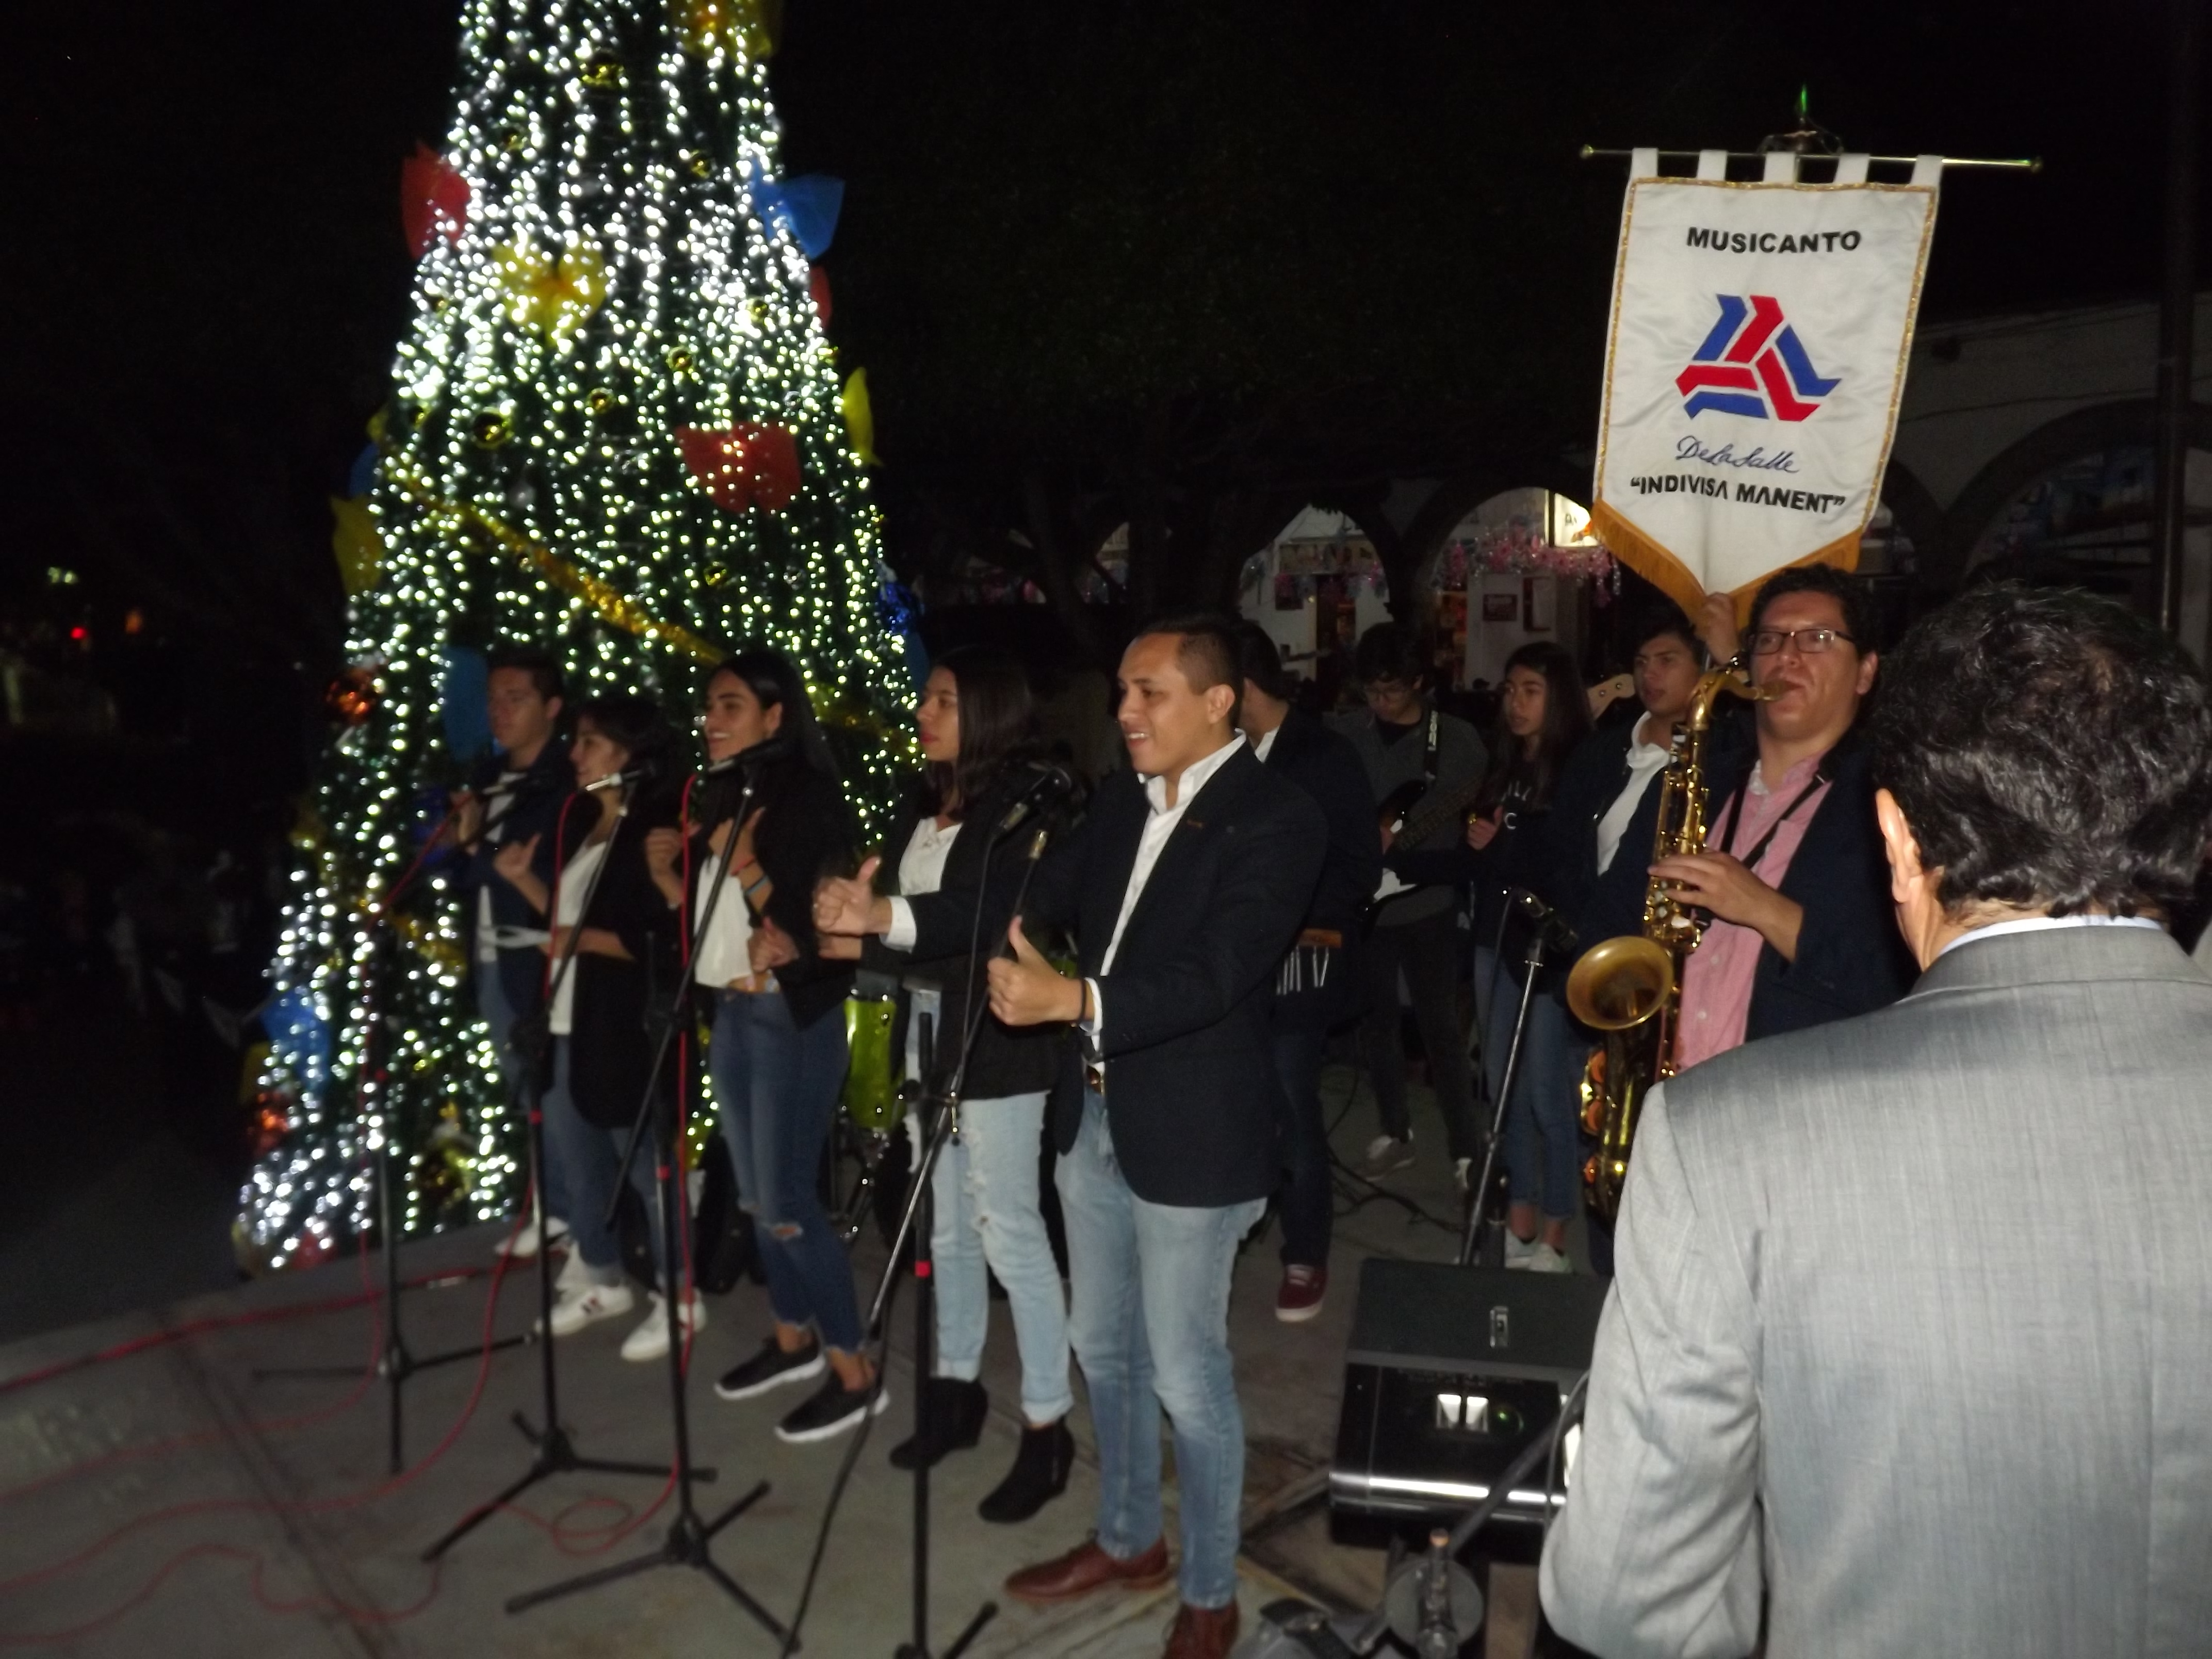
[1451, 1372]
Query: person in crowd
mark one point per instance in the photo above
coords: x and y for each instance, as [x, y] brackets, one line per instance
[607, 898]
[1792, 868]
[777, 1054]
[1319, 987]
[515, 794]
[1543, 717]
[1429, 764]
[1185, 886]
[977, 724]
[1774, 1359]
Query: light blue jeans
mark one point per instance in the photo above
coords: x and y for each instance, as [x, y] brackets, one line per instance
[590, 1160]
[1149, 1319]
[986, 1220]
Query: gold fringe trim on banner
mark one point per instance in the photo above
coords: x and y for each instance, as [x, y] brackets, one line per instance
[1672, 578]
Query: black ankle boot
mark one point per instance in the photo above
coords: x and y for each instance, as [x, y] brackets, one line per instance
[1039, 1475]
[953, 1415]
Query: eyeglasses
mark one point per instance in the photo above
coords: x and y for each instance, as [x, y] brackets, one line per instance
[1809, 642]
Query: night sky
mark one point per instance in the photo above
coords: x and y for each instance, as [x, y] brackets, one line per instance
[1363, 228]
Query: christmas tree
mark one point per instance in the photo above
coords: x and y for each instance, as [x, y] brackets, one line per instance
[615, 427]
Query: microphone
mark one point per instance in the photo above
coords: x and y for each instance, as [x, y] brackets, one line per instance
[621, 779]
[1047, 783]
[1547, 922]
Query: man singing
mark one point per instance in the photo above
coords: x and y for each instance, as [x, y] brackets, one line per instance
[515, 795]
[1185, 885]
[1908, 1351]
[1792, 870]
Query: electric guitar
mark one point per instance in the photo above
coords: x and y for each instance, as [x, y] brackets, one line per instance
[1413, 813]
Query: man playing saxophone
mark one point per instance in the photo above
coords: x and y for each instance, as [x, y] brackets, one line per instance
[1792, 873]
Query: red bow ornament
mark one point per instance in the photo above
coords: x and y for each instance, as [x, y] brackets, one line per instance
[748, 464]
[433, 199]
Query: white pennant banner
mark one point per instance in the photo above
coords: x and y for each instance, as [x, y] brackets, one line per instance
[1756, 358]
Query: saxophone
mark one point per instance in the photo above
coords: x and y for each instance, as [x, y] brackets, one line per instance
[1631, 988]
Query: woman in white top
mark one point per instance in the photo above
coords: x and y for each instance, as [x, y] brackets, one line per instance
[978, 731]
[627, 945]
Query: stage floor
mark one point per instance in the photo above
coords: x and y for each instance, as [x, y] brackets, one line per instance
[232, 1515]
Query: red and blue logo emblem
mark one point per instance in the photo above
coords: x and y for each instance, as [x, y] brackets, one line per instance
[1753, 363]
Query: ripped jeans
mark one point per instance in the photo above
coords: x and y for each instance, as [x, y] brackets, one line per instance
[985, 1197]
[777, 1086]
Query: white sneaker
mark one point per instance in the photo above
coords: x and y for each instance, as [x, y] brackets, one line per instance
[650, 1340]
[523, 1246]
[575, 1308]
[1519, 1252]
[575, 1274]
[1463, 1175]
[1389, 1152]
[1543, 1259]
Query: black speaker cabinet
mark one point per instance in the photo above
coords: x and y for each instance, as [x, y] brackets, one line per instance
[1451, 1372]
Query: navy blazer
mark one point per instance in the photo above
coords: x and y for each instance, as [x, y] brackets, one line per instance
[1327, 767]
[532, 810]
[1851, 957]
[1193, 1099]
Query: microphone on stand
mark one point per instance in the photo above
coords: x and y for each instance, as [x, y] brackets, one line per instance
[1548, 922]
[621, 779]
[1047, 783]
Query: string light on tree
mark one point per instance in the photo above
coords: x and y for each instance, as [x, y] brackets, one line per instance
[616, 425]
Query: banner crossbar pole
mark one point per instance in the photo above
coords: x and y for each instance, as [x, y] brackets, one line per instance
[2023, 164]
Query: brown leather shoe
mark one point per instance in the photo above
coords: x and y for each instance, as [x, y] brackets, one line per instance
[1203, 1633]
[1086, 1568]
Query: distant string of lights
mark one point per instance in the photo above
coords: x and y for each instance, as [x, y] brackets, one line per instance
[601, 275]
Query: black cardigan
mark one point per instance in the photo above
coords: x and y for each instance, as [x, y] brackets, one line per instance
[804, 834]
[1327, 767]
[610, 1045]
[1007, 1061]
[1192, 1098]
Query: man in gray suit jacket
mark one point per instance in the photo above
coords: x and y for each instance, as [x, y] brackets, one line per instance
[1911, 1350]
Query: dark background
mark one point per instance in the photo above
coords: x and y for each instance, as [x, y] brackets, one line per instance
[1184, 265]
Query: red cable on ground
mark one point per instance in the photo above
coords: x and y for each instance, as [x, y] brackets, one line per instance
[233, 1506]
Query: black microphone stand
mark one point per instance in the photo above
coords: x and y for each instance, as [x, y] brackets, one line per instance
[396, 1363]
[917, 1222]
[690, 1535]
[553, 1452]
[920, 1222]
[1481, 1208]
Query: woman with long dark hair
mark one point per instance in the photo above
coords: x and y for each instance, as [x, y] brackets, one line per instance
[1543, 715]
[978, 728]
[605, 894]
[777, 1054]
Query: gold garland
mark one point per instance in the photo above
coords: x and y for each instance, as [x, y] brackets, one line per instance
[603, 597]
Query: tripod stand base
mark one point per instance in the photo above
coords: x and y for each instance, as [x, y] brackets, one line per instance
[686, 1545]
[556, 1455]
[961, 1643]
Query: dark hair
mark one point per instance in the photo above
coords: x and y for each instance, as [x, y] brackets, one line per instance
[543, 667]
[1388, 652]
[639, 726]
[1208, 655]
[1660, 618]
[1567, 723]
[1263, 664]
[2050, 750]
[775, 680]
[1861, 621]
[998, 725]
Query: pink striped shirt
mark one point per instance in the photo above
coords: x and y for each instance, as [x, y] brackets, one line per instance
[1717, 979]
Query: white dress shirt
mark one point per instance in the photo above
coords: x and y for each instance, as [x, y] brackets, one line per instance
[1645, 761]
[1157, 827]
[2044, 924]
